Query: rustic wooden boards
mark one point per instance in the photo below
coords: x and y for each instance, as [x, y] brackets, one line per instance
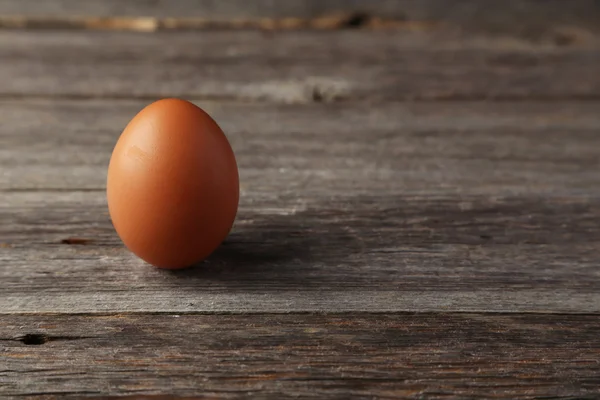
[428, 255]
[419, 212]
[390, 207]
[527, 18]
[227, 10]
[345, 149]
[306, 356]
[294, 67]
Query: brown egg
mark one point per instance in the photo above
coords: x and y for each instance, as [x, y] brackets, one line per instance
[172, 186]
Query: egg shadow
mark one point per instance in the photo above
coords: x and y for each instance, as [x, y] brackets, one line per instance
[295, 249]
[368, 242]
[268, 250]
[332, 245]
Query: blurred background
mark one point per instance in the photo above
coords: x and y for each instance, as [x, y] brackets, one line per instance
[49, 47]
[58, 53]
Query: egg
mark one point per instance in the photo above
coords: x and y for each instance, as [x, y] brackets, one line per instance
[172, 184]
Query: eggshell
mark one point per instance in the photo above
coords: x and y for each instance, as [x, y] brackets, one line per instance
[172, 185]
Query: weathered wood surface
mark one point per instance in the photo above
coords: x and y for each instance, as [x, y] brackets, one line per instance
[527, 18]
[316, 151]
[228, 10]
[480, 194]
[369, 254]
[395, 207]
[303, 356]
[294, 67]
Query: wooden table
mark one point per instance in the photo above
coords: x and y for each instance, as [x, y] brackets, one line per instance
[420, 200]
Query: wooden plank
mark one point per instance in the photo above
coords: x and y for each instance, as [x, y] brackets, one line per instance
[515, 17]
[497, 213]
[316, 151]
[231, 9]
[375, 253]
[302, 356]
[293, 67]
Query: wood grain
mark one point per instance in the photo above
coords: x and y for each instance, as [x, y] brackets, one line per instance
[527, 18]
[293, 67]
[228, 10]
[432, 194]
[316, 151]
[302, 356]
[367, 254]
[496, 212]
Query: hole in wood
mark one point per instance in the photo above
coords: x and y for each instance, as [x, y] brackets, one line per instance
[317, 96]
[356, 20]
[34, 339]
[79, 241]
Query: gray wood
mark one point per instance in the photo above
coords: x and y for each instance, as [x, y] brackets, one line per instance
[350, 204]
[348, 254]
[294, 67]
[527, 18]
[302, 356]
[468, 207]
[211, 9]
[316, 151]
